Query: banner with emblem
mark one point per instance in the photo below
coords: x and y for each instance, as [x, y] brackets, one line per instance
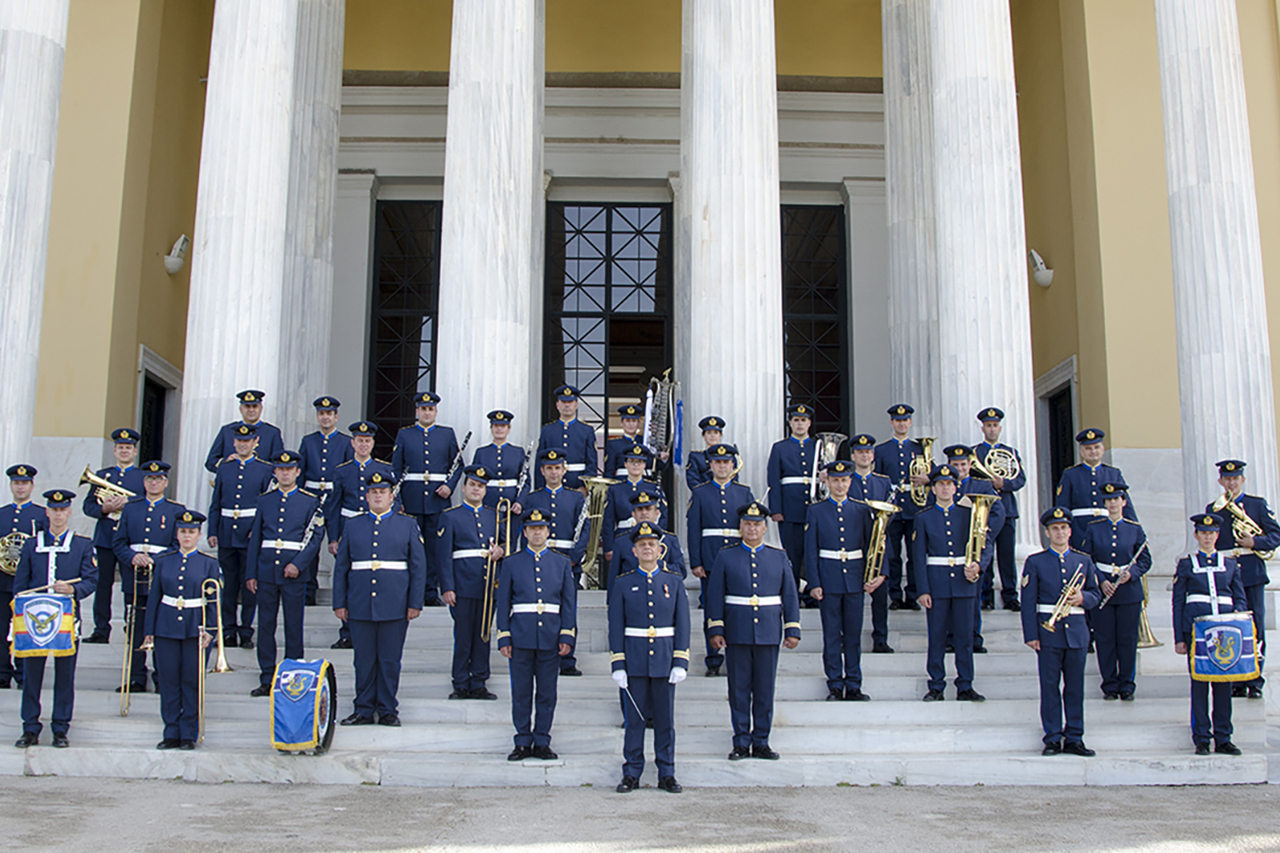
[303, 704]
[43, 624]
[1225, 648]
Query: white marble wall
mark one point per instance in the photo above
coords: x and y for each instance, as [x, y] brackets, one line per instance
[33, 42]
[353, 240]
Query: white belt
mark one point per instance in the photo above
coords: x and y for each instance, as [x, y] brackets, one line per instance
[795, 481]
[535, 608]
[1089, 510]
[145, 548]
[1236, 552]
[352, 513]
[323, 485]
[464, 553]
[624, 525]
[754, 601]
[722, 531]
[503, 484]
[240, 513]
[621, 472]
[650, 632]
[358, 565]
[559, 543]
[1048, 608]
[1208, 599]
[182, 603]
[576, 466]
[842, 555]
[283, 545]
[420, 478]
[1107, 567]
[947, 561]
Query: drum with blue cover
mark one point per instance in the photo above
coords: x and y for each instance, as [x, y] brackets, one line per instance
[304, 703]
[1225, 648]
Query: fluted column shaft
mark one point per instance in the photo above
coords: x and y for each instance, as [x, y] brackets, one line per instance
[984, 317]
[33, 41]
[1224, 356]
[731, 150]
[490, 253]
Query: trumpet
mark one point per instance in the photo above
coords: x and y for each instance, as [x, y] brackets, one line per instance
[980, 511]
[103, 489]
[210, 590]
[1063, 607]
[878, 539]
[1241, 523]
[920, 467]
[491, 572]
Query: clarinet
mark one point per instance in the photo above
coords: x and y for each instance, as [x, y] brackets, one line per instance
[582, 520]
[525, 468]
[457, 460]
[1129, 566]
[317, 520]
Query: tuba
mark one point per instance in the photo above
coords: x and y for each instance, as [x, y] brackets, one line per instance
[593, 511]
[659, 406]
[878, 539]
[979, 512]
[920, 467]
[1063, 606]
[11, 551]
[1241, 523]
[827, 448]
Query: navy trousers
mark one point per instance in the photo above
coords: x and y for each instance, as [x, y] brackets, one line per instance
[8, 672]
[530, 669]
[1256, 596]
[470, 653]
[1115, 631]
[428, 523]
[880, 613]
[896, 543]
[232, 562]
[104, 592]
[753, 672]
[136, 614]
[177, 676]
[792, 535]
[377, 650]
[714, 657]
[1202, 727]
[955, 614]
[656, 698]
[842, 640]
[1061, 689]
[64, 693]
[1005, 564]
[271, 597]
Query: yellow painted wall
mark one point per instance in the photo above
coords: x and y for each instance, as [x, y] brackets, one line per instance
[828, 38]
[591, 36]
[397, 35]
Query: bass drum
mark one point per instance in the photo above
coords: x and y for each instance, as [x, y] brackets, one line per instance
[326, 711]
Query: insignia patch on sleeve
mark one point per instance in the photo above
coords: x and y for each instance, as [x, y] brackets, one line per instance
[1059, 490]
[439, 532]
[1026, 579]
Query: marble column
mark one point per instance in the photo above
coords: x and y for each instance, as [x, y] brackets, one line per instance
[914, 347]
[490, 252]
[1224, 356]
[729, 156]
[33, 41]
[984, 322]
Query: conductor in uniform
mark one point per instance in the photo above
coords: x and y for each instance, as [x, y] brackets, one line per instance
[379, 580]
[1060, 652]
[790, 469]
[536, 609]
[575, 440]
[106, 512]
[22, 516]
[54, 556]
[752, 605]
[270, 441]
[649, 655]
[175, 604]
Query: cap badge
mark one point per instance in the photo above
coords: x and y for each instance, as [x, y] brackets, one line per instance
[480, 472]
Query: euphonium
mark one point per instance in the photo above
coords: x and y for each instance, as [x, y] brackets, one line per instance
[828, 447]
[920, 467]
[979, 512]
[597, 497]
[1241, 523]
[1063, 606]
[491, 571]
[878, 539]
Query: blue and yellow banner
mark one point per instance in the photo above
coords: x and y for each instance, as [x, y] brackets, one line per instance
[300, 704]
[44, 624]
[1226, 648]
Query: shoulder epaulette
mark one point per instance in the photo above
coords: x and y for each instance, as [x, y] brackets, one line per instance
[410, 426]
[727, 547]
[1078, 551]
[630, 571]
[881, 476]
[383, 461]
[669, 570]
[1099, 520]
[308, 494]
[772, 547]
[340, 464]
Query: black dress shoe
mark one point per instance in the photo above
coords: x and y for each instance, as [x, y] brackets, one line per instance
[895, 605]
[460, 693]
[1255, 692]
[670, 785]
[572, 671]
[96, 640]
[437, 601]
[1239, 691]
[27, 739]
[856, 695]
[246, 644]
[169, 743]
[935, 696]
[309, 601]
[544, 752]
[341, 644]
[482, 693]
[187, 745]
[61, 742]
[1077, 747]
[1127, 696]
[882, 648]
[648, 724]
[1202, 749]
[231, 642]
[1013, 607]
[1110, 696]
[763, 751]
[970, 695]
[356, 720]
[261, 690]
[739, 753]
[835, 695]
[712, 671]
[392, 720]
[1227, 748]
[135, 688]
[627, 785]
[520, 753]
[811, 604]
[4, 684]
[979, 650]
[949, 649]
[987, 605]
[912, 605]
[1091, 648]
[1053, 747]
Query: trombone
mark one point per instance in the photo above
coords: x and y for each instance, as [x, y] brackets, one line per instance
[210, 590]
[491, 571]
[130, 616]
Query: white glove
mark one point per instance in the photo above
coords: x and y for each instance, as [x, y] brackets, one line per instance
[678, 674]
[620, 676]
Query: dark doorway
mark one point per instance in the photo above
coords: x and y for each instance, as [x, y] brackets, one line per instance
[152, 427]
[1062, 429]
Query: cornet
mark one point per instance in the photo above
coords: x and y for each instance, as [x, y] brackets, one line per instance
[1063, 606]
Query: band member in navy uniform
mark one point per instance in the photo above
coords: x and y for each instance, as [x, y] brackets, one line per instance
[1206, 582]
[575, 440]
[562, 508]
[322, 451]
[893, 460]
[237, 485]
[537, 625]
[646, 507]
[958, 455]
[790, 469]
[837, 534]
[423, 455]
[287, 531]
[615, 449]
[22, 516]
[752, 605]
[649, 655]
[146, 528]
[1117, 548]
[1060, 653]
[697, 470]
[617, 520]
[711, 523]
[465, 544]
[502, 460]
[379, 580]
[946, 584]
[106, 511]
[54, 555]
[270, 441]
[174, 604]
[992, 420]
[1080, 488]
[867, 485]
[1253, 569]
